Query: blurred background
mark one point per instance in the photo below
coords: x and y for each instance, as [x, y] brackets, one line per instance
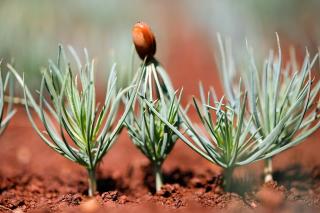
[185, 32]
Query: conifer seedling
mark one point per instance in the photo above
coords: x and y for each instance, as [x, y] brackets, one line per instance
[76, 126]
[276, 89]
[152, 136]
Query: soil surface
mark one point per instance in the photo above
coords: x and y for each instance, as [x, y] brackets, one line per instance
[35, 178]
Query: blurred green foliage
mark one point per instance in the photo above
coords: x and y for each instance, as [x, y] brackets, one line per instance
[296, 21]
[30, 31]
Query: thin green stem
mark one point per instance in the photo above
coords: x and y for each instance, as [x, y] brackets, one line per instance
[227, 175]
[158, 177]
[268, 170]
[92, 182]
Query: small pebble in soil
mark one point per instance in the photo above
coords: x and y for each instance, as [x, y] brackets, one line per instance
[110, 196]
[271, 196]
[34, 188]
[23, 155]
[167, 190]
[218, 190]
[123, 199]
[73, 199]
[89, 206]
[253, 205]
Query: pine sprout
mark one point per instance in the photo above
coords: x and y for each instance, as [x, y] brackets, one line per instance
[71, 112]
[153, 138]
[276, 91]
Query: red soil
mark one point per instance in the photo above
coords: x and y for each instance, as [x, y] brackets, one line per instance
[33, 177]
